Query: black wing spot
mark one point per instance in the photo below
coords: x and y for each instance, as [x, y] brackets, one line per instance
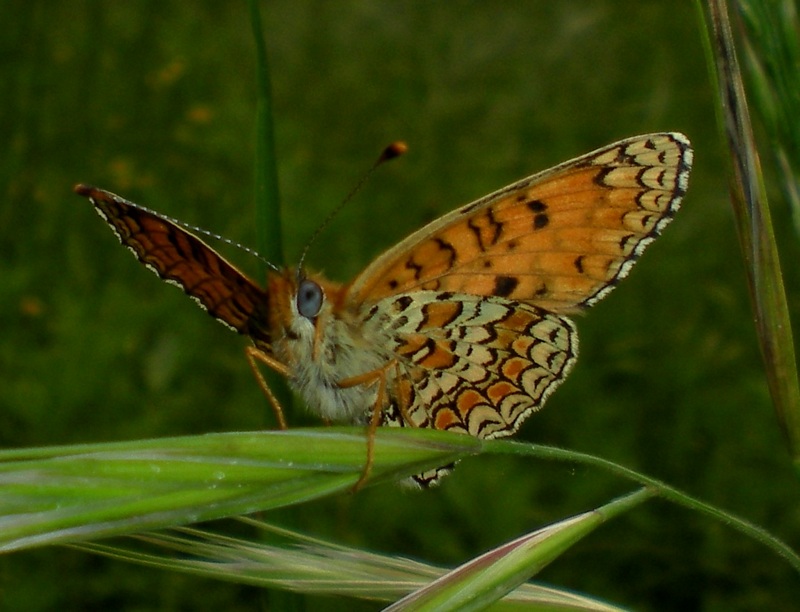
[413, 265]
[505, 285]
[600, 177]
[372, 312]
[623, 242]
[498, 226]
[477, 231]
[429, 347]
[537, 206]
[579, 264]
[541, 220]
[451, 252]
[403, 302]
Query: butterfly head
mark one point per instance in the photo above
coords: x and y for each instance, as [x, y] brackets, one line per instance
[303, 306]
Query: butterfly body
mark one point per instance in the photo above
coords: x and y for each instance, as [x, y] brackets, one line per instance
[462, 326]
[323, 350]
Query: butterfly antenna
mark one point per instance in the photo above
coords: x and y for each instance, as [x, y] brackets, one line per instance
[396, 149]
[80, 189]
[233, 243]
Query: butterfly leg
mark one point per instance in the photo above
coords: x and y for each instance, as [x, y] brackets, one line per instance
[368, 378]
[403, 401]
[253, 357]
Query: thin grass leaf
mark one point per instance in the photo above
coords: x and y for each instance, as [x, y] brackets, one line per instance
[267, 193]
[772, 60]
[82, 492]
[309, 565]
[269, 227]
[754, 226]
[664, 490]
[486, 579]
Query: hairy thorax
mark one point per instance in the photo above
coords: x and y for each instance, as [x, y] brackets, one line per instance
[327, 350]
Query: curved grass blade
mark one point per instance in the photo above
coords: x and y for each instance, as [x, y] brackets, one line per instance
[772, 58]
[663, 490]
[486, 579]
[303, 564]
[754, 225]
[83, 492]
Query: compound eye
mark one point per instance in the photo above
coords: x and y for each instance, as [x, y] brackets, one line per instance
[309, 299]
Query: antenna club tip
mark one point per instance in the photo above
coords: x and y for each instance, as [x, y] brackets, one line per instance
[396, 149]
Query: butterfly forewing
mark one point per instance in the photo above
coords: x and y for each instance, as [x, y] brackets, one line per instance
[182, 259]
[559, 239]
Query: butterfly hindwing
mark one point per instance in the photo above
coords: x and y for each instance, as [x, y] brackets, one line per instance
[474, 365]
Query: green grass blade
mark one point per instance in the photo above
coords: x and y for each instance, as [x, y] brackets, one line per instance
[269, 228]
[664, 490]
[267, 194]
[295, 562]
[82, 492]
[754, 225]
[486, 579]
[772, 58]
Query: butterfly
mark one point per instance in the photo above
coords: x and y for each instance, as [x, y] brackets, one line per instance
[463, 326]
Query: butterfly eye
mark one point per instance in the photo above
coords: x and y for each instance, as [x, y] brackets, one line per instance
[309, 299]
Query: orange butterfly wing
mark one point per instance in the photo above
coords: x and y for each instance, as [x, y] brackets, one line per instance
[182, 259]
[476, 298]
[470, 306]
[560, 239]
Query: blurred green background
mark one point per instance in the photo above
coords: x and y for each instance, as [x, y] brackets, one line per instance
[155, 101]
